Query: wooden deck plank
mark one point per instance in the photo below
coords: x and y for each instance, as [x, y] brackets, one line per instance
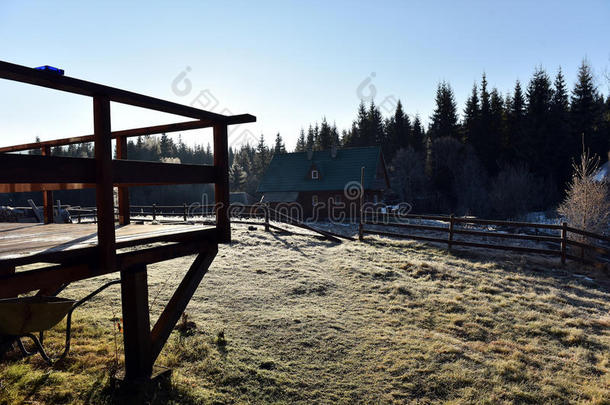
[19, 240]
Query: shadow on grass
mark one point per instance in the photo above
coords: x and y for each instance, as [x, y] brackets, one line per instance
[538, 267]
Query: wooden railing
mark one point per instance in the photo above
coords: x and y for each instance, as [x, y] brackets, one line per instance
[557, 239]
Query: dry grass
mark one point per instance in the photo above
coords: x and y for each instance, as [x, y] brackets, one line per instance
[287, 319]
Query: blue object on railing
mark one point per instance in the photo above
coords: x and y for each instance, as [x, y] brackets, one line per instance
[51, 69]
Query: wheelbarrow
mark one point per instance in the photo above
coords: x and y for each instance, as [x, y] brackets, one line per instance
[22, 317]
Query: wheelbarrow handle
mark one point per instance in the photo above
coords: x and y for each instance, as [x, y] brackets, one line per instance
[38, 342]
[76, 305]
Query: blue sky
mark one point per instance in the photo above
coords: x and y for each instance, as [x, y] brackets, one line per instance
[289, 63]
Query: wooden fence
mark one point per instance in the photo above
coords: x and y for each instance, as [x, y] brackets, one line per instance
[557, 240]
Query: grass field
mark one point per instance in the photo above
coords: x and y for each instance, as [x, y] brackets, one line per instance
[287, 319]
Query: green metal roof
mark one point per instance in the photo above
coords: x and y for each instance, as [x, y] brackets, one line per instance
[290, 171]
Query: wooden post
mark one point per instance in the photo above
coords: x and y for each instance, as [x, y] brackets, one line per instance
[449, 243]
[564, 243]
[136, 323]
[103, 186]
[185, 212]
[360, 225]
[121, 153]
[266, 217]
[154, 212]
[47, 196]
[221, 187]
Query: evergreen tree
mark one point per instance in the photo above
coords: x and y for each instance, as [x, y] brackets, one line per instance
[561, 143]
[471, 121]
[398, 132]
[444, 119]
[237, 177]
[310, 139]
[496, 132]
[417, 135]
[325, 138]
[261, 158]
[376, 134]
[279, 144]
[515, 137]
[485, 117]
[334, 134]
[301, 143]
[585, 112]
[539, 95]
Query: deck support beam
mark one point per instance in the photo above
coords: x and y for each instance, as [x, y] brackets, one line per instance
[47, 196]
[180, 299]
[221, 187]
[136, 323]
[121, 153]
[103, 187]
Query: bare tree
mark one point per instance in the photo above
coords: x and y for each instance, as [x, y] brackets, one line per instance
[587, 204]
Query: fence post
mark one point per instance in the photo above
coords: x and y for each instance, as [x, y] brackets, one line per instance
[360, 227]
[185, 211]
[266, 217]
[564, 243]
[449, 243]
[154, 212]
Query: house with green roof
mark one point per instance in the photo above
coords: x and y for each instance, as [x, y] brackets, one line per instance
[318, 181]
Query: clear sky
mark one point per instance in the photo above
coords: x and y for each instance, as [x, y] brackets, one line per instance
[289, 63]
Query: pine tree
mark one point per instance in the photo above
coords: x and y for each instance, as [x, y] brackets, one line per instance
[237, 177]
[376, 134]
[261, 158]
[444, 119]
[485, 117]
[279, 144]
[515, 136]
[398, 132]
[471, 121]
[539, 95]
[301, 144]
[417, 135]
[561, 143]
[585, 112]
[325, 138]
[496, 132]
[334, 133]
[310, 139]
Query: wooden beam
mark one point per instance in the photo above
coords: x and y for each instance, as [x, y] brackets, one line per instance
[180, 299]
[130, 172]
[103, 174]
[127, 133]
[51, 173]
[221, 187]
[50, 80]
[136, 323]
[28, 187]
[121, 153]
[22, 282]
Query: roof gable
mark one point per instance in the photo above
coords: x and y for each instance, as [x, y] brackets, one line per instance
[290, 171]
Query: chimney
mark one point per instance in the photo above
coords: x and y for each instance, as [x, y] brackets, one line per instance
[309, 153]
[333, 151]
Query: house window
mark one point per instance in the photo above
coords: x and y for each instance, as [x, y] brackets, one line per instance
[314, 200]
[314, 174]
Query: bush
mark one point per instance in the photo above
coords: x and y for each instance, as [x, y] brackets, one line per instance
[586, 205]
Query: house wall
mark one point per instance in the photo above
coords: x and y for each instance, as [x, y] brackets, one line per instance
[323, 211]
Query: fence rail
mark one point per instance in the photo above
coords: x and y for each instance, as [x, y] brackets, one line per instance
[558, 238]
